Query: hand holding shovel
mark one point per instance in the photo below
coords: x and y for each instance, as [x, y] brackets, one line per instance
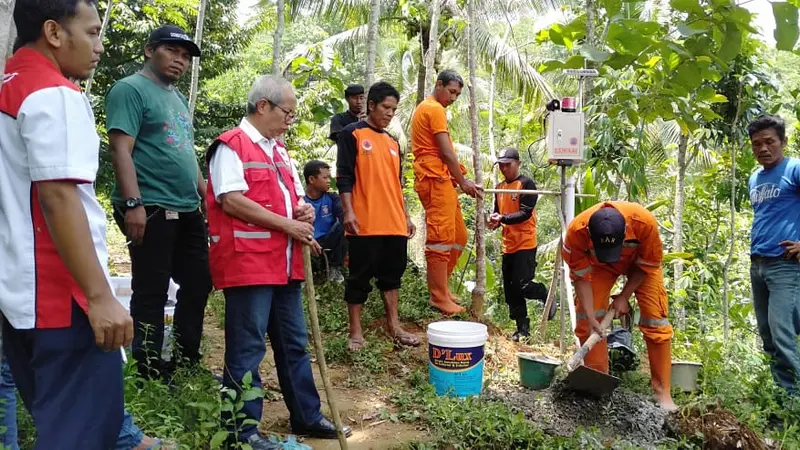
[577, 358]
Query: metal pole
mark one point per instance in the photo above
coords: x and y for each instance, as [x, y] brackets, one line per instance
[562, 275]
[538, 192]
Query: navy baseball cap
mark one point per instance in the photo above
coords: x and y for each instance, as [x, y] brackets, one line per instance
[607, 230]
[508, 155]
[174, 35]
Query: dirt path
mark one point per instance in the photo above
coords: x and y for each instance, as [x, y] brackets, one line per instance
[366, 410]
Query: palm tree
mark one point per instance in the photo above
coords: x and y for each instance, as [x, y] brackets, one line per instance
[372, 42]
[198, 38]
[7, 31]
[278, 37]
[433, 41]
[478, 293]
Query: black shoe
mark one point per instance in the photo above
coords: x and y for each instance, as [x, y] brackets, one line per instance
[523, 329]
[324, 429]
[257, 442]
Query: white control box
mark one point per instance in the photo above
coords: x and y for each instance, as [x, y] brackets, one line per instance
[565, 137]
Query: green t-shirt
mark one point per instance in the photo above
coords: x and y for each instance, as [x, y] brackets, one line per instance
[166, 165]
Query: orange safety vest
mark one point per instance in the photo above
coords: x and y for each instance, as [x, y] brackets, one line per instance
[244, 254]
[518, 236]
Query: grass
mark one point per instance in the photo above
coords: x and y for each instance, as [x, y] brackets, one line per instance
[189, 411]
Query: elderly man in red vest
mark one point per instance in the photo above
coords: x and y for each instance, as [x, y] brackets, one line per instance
[257, 228]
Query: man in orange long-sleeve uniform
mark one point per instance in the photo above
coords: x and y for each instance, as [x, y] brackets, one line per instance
[437, 172]
[612, 239]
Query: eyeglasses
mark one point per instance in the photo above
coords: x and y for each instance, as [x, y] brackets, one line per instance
[288, 115]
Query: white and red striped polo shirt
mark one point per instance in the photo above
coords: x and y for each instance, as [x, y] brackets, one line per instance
[47, 132]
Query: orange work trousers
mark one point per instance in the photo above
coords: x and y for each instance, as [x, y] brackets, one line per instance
[446, 233]
[652, 300]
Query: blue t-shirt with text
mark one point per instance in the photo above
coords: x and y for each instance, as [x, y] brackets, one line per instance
[328, 209]
[775, 197]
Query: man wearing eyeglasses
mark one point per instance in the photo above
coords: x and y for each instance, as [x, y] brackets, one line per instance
[257, 228]
[157, 200]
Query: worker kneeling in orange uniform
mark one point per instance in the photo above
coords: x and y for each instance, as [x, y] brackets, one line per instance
[612, 239]
[436, 174]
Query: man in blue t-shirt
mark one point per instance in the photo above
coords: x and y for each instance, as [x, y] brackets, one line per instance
[328, 230]
[775, 249]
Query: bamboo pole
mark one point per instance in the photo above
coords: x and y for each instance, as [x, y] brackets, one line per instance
[318, 349]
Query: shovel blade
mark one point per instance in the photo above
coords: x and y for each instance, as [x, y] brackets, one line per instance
[589, 381]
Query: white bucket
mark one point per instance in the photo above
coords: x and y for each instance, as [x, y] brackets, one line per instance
[123, 291]
[455, 357]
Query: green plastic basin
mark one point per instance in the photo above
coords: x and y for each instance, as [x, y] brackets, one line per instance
[536, 371]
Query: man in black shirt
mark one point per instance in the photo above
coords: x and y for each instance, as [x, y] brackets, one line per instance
[354, 94]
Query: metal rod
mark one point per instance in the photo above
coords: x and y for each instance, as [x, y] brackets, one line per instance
[530, 191]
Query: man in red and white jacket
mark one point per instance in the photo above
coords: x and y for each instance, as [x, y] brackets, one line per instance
[257, 227]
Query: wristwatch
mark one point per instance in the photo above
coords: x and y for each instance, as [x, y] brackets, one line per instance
[133, 202]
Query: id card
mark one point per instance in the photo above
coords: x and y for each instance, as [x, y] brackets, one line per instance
[172, 215]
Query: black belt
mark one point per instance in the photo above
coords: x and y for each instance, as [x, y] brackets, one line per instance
[770, 258]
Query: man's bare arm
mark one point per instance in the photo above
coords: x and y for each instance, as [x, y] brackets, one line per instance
[235, 204]
[122, 158]
[66, 220]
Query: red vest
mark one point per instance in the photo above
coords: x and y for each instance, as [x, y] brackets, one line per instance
[243, 254]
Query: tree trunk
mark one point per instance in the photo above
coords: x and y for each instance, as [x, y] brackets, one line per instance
[372, 42]
[677, 237]
[522, 116]
[277, 37]
[198, 39]
[7, 31]
[433, 41]
[423, 45]
[103, 28]
[492, 85]
[734, 143]
[480, 245]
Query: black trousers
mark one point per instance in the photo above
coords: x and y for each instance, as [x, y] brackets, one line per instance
[335, 245]
[174, 248]
[519, 269]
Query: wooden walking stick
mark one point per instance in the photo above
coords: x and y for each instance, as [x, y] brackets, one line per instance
[323, 368]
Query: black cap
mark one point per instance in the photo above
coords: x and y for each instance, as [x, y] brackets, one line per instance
[607, 230]
[353, 90]
[174, 35]
[508, 155]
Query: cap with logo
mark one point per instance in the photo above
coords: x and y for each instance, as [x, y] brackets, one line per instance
[607, 230]
[508, 155]
[174, 35]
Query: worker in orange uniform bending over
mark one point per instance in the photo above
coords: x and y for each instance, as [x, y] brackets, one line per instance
[437, 172]
[612, 239]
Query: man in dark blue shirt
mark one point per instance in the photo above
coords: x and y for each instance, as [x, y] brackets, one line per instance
[328, 230]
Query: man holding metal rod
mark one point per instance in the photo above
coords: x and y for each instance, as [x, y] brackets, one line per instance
[515, 214]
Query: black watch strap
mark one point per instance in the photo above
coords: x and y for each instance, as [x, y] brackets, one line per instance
[133, 202]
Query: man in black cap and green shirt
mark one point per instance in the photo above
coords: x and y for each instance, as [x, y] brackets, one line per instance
[157, 199]
[354, 94]
[516, 215]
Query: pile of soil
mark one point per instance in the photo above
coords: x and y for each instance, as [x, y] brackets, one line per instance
[624, 416]
[719, 429]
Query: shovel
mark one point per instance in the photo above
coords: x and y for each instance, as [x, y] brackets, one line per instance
[585, 379]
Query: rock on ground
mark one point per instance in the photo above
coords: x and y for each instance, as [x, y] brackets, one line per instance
[625, 416]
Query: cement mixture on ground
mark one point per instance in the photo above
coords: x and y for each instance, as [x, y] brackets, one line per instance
[625, 416]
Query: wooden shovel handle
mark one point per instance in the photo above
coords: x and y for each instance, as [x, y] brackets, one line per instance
[576, 359]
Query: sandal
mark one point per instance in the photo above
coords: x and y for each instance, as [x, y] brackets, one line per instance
[355, 345]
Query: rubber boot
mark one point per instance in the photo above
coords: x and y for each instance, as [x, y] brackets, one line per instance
[440, 292]
[660, 356]
[523, 329]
